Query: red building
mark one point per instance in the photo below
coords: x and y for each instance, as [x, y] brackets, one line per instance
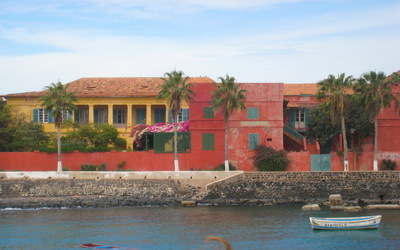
[260, 122]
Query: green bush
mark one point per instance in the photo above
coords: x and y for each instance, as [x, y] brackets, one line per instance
[388, 165]
[92, 167]
[221, 167]
[269, 159]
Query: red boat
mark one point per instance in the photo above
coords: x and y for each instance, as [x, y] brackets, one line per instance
[98, 246]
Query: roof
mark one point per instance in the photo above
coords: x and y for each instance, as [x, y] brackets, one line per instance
[114, 87]
[300, 89]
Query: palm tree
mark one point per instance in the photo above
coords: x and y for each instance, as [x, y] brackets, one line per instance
[175, 89]
[375, 92]
[58, 101]
[227, 97]
[336, 90]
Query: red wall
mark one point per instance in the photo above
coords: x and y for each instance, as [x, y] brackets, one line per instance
[136, 161]
[265, 96]
[149, 161]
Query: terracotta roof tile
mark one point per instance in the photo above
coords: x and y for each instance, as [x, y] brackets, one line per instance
[300, 88]
[115, 87]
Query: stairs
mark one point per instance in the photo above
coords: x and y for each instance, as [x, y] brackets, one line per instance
[293, 134]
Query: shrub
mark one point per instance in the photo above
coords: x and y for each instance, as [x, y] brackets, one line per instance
[269, 159]
[388, 165]
[221, 167]
[92, 167]
[121, 165]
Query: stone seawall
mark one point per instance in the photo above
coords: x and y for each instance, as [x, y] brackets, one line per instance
[306, 187]
[250, 188]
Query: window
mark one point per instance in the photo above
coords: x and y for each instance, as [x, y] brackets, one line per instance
[82, 116]
[299, 118]
[254, 140]
[140, 116]
[159, 115]
[41, 116]
[208, 142]
[119, 116]
[182, 116]
[66, 115]
[208, 113]
[252, 113]
[101, 116]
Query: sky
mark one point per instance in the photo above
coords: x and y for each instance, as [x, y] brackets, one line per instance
[289, 41]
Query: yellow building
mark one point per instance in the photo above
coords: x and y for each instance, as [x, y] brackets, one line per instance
[122, 102]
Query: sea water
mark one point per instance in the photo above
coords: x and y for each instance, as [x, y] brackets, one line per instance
[275, 227]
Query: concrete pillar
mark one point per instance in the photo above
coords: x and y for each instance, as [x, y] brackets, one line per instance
[129, 111]
[91, 113]
[110, 114]
[148, 115]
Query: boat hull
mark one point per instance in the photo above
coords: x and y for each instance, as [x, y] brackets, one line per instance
[346, 223]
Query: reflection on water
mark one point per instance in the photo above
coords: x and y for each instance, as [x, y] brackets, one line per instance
[186, 228]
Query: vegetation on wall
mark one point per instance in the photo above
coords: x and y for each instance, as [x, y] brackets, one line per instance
[93, 138]
[92, 167]
[16, 134]
[388, 164]
[269, 159]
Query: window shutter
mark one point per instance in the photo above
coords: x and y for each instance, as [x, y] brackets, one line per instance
[252, 113]
[115, 116]
[292, 115]
[36, 115]
[140, 116]
[50, 115]
[185, 114]
[254, 140]
[170, 116]
[208, 142]
[307, 117]
[208, 113]
[159, 115]
[96, 116]
[76, 115]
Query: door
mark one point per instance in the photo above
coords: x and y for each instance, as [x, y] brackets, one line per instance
[321, 162]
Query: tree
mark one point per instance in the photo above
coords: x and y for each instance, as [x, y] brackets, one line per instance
[59, 101]
[375, 92]
[269, 159]
[175, 89]
[94, 137]
[336, 91]
[228, 97]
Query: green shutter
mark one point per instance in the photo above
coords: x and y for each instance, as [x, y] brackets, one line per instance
[208, 113]
[208, 142]
[254, 140]
[159, 115]
[185, 114]
[140, 116]
[306, 117]
[96, 116]
[115, 116]
[252, 113]
[36, 115]
[292, 115]
[170, 116]
[76, 115]
[50, 115]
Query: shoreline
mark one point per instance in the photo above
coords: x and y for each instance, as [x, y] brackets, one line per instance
[107, 189]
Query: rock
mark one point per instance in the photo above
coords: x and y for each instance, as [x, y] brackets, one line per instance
[382, 206]
[311, 207]
[335, 200]
[352, 209]
[337, 208]
[188, 203]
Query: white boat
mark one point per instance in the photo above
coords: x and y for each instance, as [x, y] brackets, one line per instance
[365, 222]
